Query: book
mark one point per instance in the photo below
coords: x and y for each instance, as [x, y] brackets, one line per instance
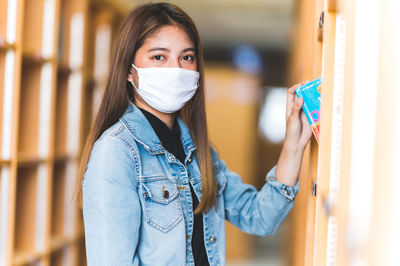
[311, 94]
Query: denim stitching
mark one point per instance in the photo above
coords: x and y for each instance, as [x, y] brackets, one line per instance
[147, 194]
[136, 159]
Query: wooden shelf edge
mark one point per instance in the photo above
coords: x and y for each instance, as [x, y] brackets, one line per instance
[56, 243]
[61, 157]
[7, 46]
[36, 57]
[5, 162]
[29, 159]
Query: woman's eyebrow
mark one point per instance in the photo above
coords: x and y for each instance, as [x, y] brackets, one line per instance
[188, 49]
[167, 50]
[158, 49]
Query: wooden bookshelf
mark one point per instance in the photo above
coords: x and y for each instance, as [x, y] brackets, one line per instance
[343, 224]
[42, 81]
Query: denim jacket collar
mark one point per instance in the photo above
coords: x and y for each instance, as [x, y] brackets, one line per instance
[144, 134]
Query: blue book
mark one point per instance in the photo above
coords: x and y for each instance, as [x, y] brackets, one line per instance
[311, 93]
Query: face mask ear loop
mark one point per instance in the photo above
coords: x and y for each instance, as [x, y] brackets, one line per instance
[133, 65]
[137, 71]
[133, 84]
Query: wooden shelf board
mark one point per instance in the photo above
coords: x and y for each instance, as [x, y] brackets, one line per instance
[24, 159]
[63, 69]
[7, 46]
[5, 162]
[36, 57]
[56, 243]
[24, 258]
[61, 157]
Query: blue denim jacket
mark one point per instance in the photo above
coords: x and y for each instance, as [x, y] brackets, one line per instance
[129, 219]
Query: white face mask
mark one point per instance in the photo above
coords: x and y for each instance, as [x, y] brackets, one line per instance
[166, 89]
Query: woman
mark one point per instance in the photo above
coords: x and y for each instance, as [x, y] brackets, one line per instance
[154, 190]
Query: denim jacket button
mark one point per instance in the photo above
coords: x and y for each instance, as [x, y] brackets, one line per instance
[165, 194]
[212, 239]
[190, 159]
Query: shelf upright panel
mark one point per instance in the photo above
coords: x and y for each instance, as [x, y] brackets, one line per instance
[66, 234]
[74, 113]
[329, 161]
[51, 20]
[10, 64]
[35, 134]
[306, 64]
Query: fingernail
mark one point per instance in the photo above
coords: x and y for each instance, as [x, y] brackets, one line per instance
[299, 100]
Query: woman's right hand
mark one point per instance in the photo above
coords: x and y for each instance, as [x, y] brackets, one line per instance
[298, 134]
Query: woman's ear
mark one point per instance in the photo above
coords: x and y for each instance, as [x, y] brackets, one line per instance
[130, 75]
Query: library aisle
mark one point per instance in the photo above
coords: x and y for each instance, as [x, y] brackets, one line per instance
[54, 61]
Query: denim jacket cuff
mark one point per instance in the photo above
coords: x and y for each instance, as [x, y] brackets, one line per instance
[289, 192]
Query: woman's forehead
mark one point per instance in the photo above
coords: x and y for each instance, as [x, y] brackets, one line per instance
[169, 36]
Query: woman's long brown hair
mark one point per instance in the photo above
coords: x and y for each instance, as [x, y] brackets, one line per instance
[139, 25]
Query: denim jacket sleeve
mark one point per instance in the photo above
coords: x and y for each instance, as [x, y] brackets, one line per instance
[255, 212]
[111, 208]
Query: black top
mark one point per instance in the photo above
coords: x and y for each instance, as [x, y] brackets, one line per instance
[171, 140]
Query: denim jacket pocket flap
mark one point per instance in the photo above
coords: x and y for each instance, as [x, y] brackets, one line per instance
[162, 207]
[161, 192]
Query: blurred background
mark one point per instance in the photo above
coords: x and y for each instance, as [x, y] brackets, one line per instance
[54, 61]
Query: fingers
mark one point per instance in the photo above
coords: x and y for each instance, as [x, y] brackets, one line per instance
[294, 124]
[304, 118]
[304, 121]
[289, 105]
[291, 97]
[296, 107]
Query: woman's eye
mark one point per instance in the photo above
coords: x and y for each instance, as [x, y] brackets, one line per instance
[158, 57]
[188, 58]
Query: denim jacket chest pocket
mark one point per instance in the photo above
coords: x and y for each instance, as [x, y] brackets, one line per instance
[162, 207]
